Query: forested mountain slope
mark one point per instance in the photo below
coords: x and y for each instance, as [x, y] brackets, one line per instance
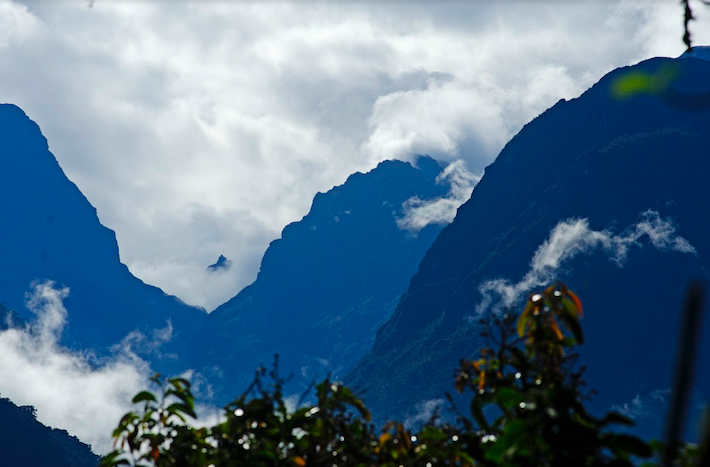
[26, 442]
[637, 168]
[326, 285]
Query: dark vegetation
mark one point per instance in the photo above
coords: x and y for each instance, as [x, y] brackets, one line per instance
[26, 442]
[527, 409]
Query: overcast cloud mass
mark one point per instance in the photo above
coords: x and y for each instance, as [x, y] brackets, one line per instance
[202, 129]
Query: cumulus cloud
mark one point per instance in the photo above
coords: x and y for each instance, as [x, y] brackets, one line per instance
[200, 129]
[419, 213]
[573, 237]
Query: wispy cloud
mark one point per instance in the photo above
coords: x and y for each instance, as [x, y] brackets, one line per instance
[573, 237]
[419, 213]
[71, 390]
[644, 406]
[424, 410]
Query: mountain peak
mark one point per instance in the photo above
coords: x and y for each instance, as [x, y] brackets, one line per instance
[701, 52]
[326, 285]
[222, 264]
[51, 232]
[598, 158]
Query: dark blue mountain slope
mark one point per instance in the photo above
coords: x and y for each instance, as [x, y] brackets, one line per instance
[326, 285]
[26, 442]
[595, 157]
[49, 231]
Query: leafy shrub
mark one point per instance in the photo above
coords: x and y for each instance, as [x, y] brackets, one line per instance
[527, 409]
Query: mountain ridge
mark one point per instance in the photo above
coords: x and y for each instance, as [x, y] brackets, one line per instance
[52, 232]
[595, 157]
[317, 279]
[25, 441]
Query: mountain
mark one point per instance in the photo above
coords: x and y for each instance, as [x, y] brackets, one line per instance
[326, 285]
[637, 169]
[49, 231]
[702, 52]
[25, 441]
[222, 264]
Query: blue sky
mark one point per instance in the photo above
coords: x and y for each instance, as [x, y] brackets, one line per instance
[200, 129]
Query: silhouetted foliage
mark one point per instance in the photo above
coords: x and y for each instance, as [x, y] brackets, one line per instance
[687, 18]
[24, 441]
[527, 409]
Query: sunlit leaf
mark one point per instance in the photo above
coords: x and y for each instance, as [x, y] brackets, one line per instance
[577, 302]
[556, 329]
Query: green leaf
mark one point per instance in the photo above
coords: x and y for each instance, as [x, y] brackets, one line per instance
[633, 445]
[508, 397]
[569, 317]
[614, 417]
[507, 444]
[524, 318]
[180, 383]
[477, 413]
[144, 396]
[640, 82]
[178, 408]
[433, 433]
[112, 459]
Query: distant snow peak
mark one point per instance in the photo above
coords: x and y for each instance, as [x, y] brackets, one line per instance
[418, 213]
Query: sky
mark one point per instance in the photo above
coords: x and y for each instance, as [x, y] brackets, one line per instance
[200, 129]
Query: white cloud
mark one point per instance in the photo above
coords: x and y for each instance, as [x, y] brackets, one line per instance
[424, 410]
[419, 213]
[200, 129]
[16, 24]
[573, 237]
[70, 390]
[644, 406]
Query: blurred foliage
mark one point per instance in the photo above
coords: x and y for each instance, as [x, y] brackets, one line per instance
[527, 409]
[637, 82]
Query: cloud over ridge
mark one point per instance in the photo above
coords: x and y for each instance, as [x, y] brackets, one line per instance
[419, 213]
[573, 237]
[70, 390]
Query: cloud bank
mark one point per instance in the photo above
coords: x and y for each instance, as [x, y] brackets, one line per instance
[70, 390]
[200, 129]
[573, 237]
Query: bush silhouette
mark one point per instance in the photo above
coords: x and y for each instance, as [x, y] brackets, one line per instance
[527, 409]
